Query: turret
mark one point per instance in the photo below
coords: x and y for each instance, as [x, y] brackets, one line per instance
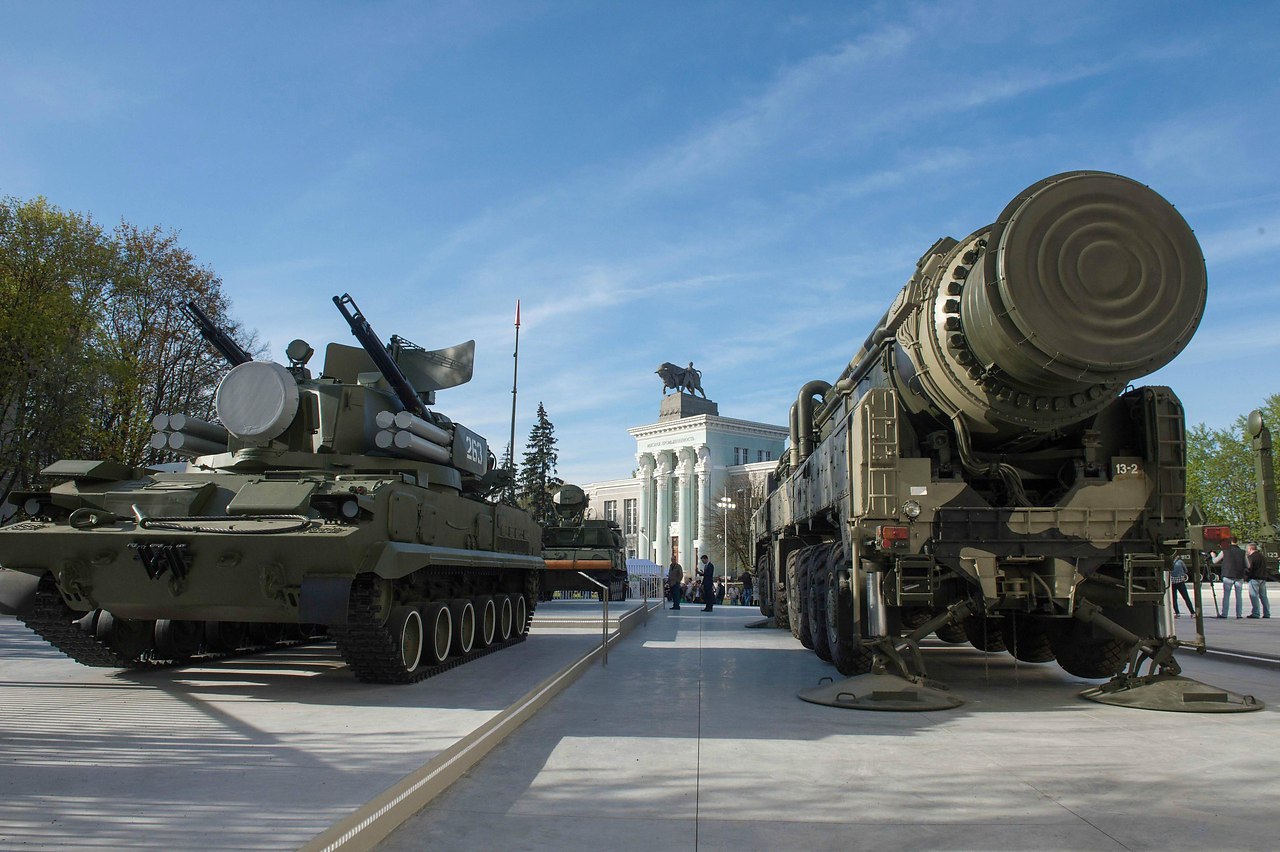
[368, 410]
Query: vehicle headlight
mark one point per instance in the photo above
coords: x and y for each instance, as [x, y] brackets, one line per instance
[911, 509]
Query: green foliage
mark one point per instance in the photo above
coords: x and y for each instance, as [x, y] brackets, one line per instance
[92, 341]
[537, 480]
[1221, 478]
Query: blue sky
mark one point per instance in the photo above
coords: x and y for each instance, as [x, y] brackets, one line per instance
[741, 184]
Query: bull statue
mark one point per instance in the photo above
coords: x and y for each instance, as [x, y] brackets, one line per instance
[680, 379]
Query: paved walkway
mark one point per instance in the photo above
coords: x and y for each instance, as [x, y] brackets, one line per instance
[692, 738]
[263, 752]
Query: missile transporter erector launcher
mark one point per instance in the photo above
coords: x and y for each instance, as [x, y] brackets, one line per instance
[980, 469]
[339, 502]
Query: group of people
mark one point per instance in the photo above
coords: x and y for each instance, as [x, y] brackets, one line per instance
[1238, 568]
[704, 588]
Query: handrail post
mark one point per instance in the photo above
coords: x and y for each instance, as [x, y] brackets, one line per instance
[604, 596]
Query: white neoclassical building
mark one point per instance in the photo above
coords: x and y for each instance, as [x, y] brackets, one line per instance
[667, 508]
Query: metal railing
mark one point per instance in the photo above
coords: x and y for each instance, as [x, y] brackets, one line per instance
[604, 622]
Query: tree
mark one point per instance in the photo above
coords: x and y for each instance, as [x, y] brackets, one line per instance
[537, 479]
[747, 495]
[93, 343]
[54, 268]
[155, 360]
[1220, 473]
[505, 492]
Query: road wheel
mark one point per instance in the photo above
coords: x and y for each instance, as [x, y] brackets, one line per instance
[405, 626]
[505, 617]
[178, 640]
[437, 633]
[486, 620]
[463, 616]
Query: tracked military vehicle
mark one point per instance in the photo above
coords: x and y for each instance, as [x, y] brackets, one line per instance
[576, 545]
[981, 469]
[339, 502]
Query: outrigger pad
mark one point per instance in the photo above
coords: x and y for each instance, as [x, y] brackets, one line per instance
[881, 692]
[1172, 693]
[764, 622]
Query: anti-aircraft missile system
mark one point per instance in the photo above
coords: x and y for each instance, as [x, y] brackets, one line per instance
[576, 545]
[339, 502]
[981, 470]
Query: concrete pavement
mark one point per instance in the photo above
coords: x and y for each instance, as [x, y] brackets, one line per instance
[693, 738]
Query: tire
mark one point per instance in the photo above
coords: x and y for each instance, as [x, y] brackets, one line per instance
[764, 584]
[913, 616]
[792, 586]
[848, 654]
[1082, 654]
[781, 616]
[817, 604]
[952, 633]
[801, 627]
[1026, 638]
[985, 634]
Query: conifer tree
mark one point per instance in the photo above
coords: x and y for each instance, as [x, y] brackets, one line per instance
[537, 479]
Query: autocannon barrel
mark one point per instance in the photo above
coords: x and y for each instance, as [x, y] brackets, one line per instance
[1085, 282]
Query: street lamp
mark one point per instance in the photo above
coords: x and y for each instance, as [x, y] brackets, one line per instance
[726, 504]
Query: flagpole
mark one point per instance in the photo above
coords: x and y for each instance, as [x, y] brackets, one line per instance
[515, 375]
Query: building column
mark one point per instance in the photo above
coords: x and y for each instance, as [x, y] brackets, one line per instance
[703, 469]
[644, 511]
[662, 526]
[688, 511]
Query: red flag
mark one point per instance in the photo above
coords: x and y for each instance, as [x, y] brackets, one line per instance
[517, 313]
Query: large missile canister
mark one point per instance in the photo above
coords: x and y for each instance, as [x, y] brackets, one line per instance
[1087, 281]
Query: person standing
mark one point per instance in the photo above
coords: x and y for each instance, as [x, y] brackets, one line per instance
[1178, 577]
[708, 584]
[747, 587]
[675, 574]
[1256, 572]
[1231, 562]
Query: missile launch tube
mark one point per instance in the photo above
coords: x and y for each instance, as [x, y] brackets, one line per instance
[412, 446]
[191, 445]
[1085, 282]
[416, 425]
[199, 428]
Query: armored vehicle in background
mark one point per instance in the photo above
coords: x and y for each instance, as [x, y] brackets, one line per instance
[338, 502]
[576, 543]
[982, 470]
